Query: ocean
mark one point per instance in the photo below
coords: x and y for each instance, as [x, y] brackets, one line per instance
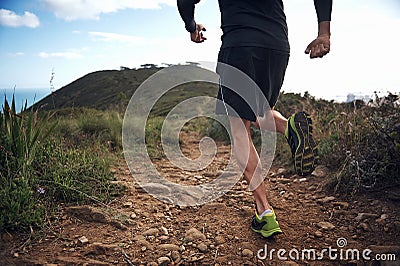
[31, 95]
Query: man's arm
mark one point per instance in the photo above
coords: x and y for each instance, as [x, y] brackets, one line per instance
[321, 45]
[186, 10]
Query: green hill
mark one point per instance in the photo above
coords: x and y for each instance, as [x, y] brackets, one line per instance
[100, 90]
[112, 89]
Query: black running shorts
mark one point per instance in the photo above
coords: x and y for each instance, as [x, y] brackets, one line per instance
[266, 67]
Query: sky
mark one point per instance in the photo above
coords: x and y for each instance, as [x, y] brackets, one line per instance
[72, 38]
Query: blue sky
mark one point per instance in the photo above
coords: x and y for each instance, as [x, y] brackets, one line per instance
[76, 37]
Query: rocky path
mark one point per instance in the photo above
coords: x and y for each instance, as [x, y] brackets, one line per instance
[137, 229]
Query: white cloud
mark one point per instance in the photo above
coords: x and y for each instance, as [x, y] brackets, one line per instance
[16, 54]
[11, 19]
[65, 55]
[115, 37]
[91, 9]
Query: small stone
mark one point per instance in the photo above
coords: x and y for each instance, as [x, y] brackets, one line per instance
[128, 204]
[15, 255]
[364, 226]
[247, 253]
[83, 241]
[144, 242]
[325, 225]
[100, 249]
[219, 240]
[341, 204]
[284, 180]
[194, 234]
[133, 216]
[164, 230]
[156, 189]
[363, 216]
[202, 247]
[318, 233]
[163, 260]
[175, 256]
[143, 248]
[163, 238]
[119, 225]
[151, 232]
[169, 247]
[320, 171]
[338, 213]
[139, 237]
[281, 171]
[326, 200]
[303, 179]
[384, 216]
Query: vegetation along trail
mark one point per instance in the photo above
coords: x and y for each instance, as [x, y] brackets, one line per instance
[71, 199]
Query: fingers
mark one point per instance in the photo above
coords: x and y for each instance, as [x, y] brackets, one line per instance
[309, 47]
[198, 36]
[317, 49]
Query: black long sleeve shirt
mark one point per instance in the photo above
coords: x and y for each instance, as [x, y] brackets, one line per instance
[259, 23]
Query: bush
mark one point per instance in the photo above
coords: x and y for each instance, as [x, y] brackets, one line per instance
[76, 175]
[369, 147]
[359, 142]
[40, 168]
[77, 125]
[20, 139]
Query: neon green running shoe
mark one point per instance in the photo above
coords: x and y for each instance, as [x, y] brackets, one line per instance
[267, 226]
[304, 150]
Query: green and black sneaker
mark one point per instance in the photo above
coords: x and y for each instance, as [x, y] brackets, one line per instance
[267, 226]
[304, 150]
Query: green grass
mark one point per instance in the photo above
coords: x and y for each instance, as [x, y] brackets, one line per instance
[47, 159]
[21, 136]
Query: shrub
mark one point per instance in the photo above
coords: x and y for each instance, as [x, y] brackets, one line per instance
[39, 168]
[76, 174]
[20, 139]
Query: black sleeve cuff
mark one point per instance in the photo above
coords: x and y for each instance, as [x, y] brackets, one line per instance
[191, 27]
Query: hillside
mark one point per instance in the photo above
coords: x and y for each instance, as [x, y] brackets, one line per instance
[99, 90]
[112, 90]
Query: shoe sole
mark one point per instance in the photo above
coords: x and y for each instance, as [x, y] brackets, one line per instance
[270, 233]
[306, 154]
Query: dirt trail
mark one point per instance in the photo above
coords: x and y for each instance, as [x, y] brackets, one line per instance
[137, 229]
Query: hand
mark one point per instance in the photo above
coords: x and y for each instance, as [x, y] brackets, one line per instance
[319, 47]
[197, 35]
